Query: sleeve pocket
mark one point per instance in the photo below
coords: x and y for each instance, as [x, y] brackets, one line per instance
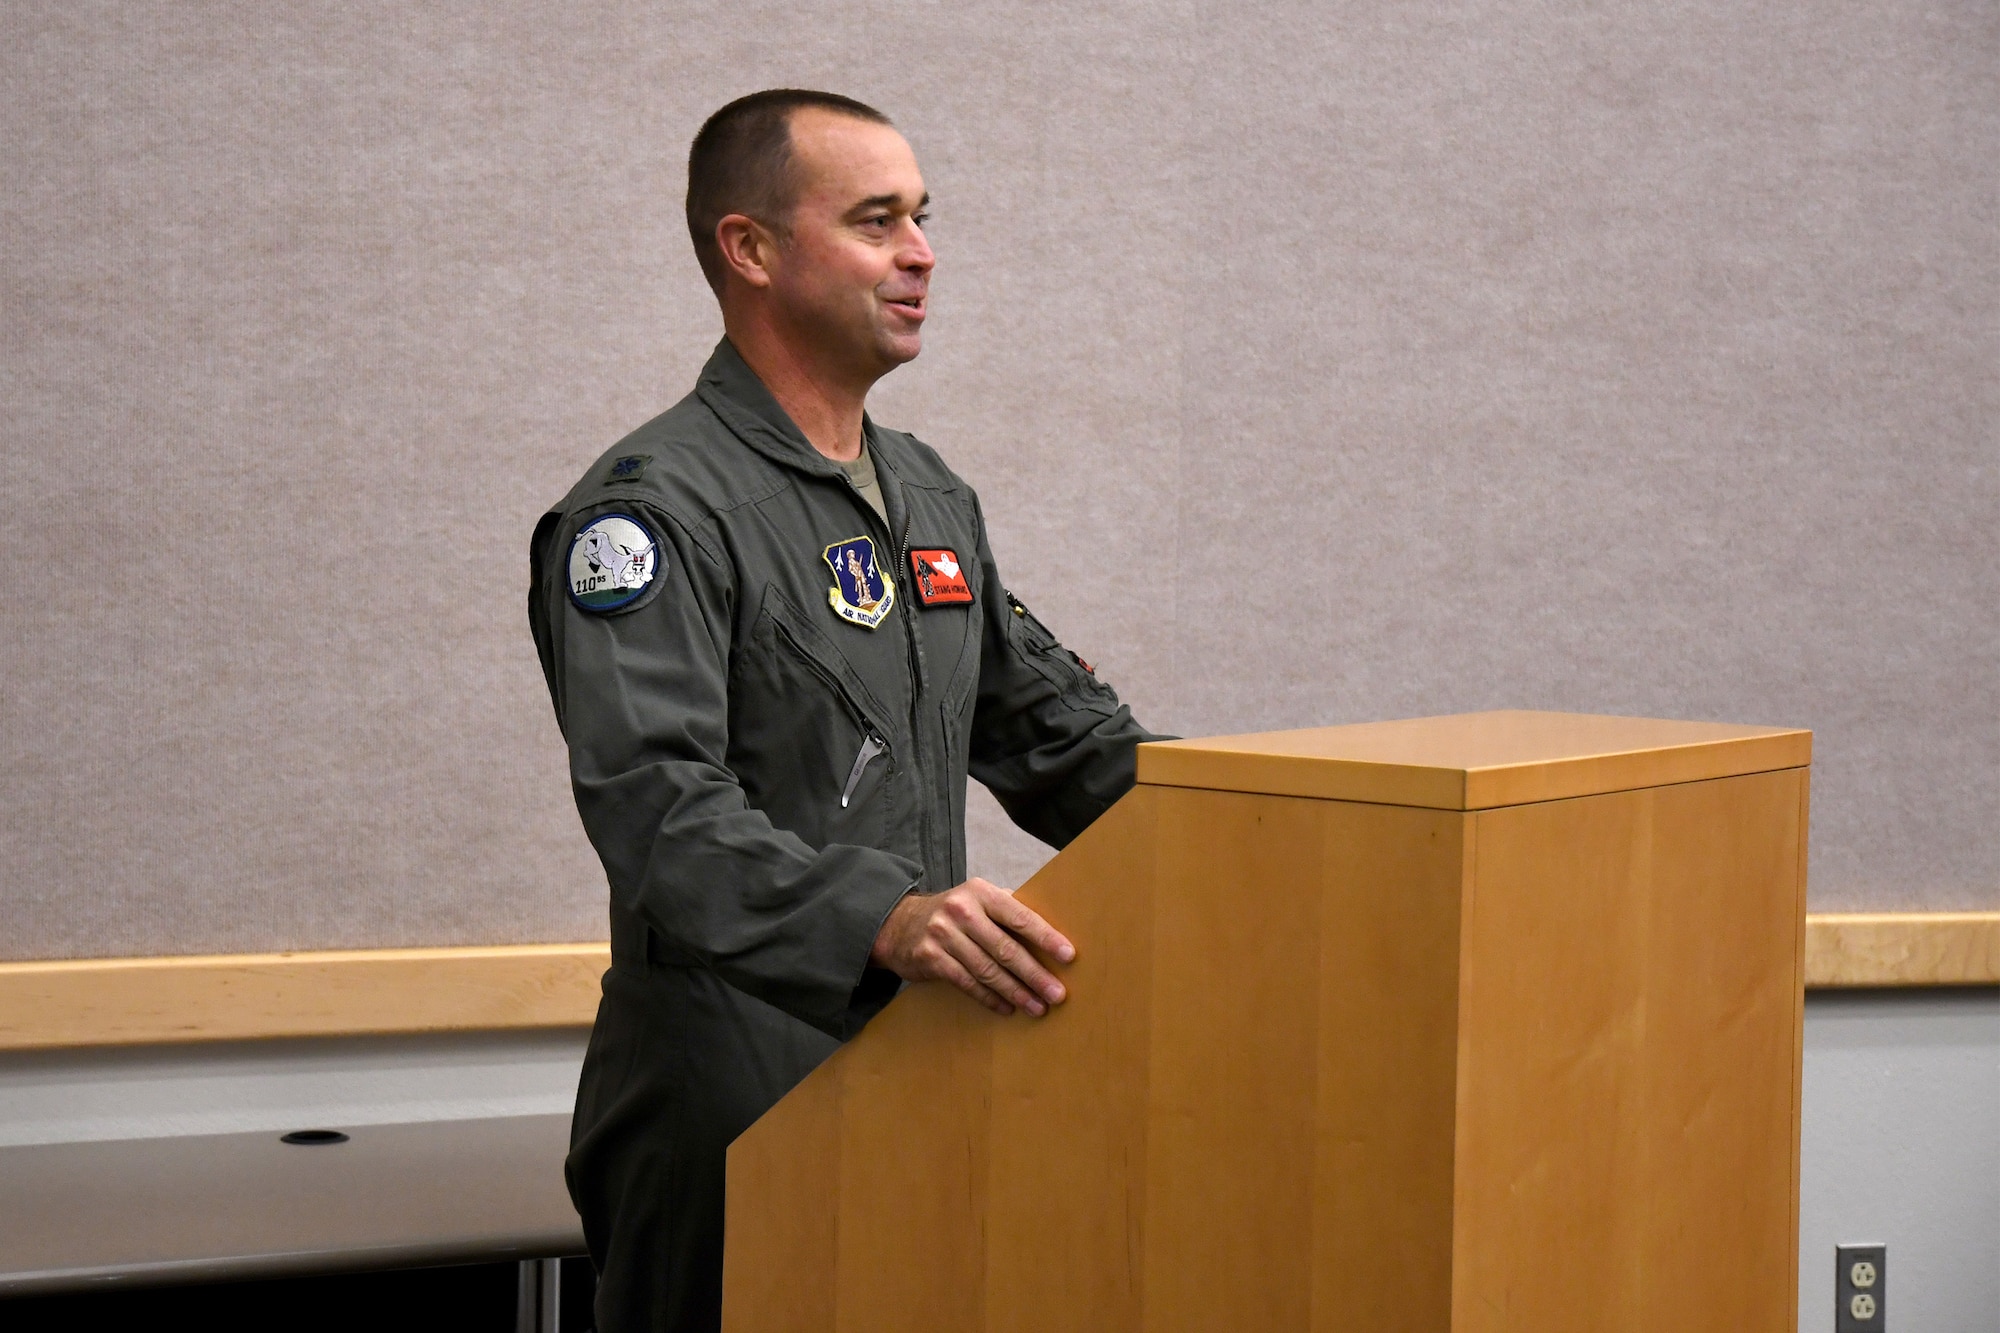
[1072, 677]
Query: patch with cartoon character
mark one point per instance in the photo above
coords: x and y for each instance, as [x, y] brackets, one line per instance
[613, 560]
[940, 578]
[862, 593]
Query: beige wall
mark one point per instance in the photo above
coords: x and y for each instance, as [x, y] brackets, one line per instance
[1316, 363]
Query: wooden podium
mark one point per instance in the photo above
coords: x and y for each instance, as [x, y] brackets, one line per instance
[1469, 1023]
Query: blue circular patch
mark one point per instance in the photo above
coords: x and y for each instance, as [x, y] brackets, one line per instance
[612, 562]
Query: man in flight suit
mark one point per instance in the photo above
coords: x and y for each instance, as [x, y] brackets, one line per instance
[777, 643]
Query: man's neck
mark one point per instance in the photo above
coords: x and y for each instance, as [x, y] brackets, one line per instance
[825, 410]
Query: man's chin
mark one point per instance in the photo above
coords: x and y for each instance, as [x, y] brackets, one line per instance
[898, 348]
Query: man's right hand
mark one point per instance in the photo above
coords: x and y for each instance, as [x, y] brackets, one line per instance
[972, 936]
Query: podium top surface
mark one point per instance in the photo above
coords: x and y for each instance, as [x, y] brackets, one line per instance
[1474, 761]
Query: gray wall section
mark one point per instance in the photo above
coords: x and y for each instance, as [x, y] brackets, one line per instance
[1901, 1146]
[1315, 364]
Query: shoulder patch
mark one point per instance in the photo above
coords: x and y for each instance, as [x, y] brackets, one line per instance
[613, 560]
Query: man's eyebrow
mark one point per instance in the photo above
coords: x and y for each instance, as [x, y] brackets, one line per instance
[887, 201]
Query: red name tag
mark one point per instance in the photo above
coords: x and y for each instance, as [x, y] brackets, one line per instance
[940, 578]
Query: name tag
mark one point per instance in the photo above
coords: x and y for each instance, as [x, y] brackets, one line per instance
[940, 578]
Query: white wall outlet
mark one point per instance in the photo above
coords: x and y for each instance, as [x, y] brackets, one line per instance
[1860, 1284]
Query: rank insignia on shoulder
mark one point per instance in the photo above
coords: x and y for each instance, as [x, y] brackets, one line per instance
[940, 578]
[862, 593]
[612, 561]
[629, 468]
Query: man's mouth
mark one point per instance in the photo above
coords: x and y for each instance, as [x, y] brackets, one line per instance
[909, 305]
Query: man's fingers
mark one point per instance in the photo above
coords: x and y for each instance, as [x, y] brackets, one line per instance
[978, 938]
[1000, 961]
[1010, 912]
[950, 969]
[1012, 955]
[989, 972]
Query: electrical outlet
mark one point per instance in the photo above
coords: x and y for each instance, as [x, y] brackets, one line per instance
[1860, 1286]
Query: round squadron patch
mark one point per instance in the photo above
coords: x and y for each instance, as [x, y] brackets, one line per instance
[612, 561]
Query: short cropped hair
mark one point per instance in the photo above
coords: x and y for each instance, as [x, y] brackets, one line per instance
[741, 162]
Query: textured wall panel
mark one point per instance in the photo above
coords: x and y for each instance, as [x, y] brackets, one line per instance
[1316, 363]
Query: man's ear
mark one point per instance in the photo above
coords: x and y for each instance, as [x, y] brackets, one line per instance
[748, 248]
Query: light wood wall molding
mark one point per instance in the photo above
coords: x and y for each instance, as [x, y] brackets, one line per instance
[133, 1001]
[1903, 949]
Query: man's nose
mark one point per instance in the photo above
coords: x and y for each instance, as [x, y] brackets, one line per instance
[916, 256]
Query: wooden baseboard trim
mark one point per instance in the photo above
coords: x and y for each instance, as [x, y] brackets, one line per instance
[358, 992]
[351, 992]
[1862, 949]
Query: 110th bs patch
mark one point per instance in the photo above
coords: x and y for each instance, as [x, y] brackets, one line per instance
[612, 561]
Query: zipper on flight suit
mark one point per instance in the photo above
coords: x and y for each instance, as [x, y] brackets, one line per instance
[871, 746]
[872, 743]
[926, 833]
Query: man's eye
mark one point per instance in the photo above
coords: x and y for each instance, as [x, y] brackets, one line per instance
[921, 219]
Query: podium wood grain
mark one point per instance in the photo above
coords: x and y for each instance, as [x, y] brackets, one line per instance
[1338, 1064]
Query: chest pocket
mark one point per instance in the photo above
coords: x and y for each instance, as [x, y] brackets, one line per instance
[810, 743]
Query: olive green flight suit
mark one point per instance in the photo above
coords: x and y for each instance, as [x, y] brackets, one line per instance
[764, 780]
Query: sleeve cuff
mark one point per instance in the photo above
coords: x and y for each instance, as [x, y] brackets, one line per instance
[878, 985]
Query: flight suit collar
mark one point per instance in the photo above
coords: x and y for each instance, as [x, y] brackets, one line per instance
[733, 392]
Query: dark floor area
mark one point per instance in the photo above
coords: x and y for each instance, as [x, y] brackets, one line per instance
[468, 1298]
